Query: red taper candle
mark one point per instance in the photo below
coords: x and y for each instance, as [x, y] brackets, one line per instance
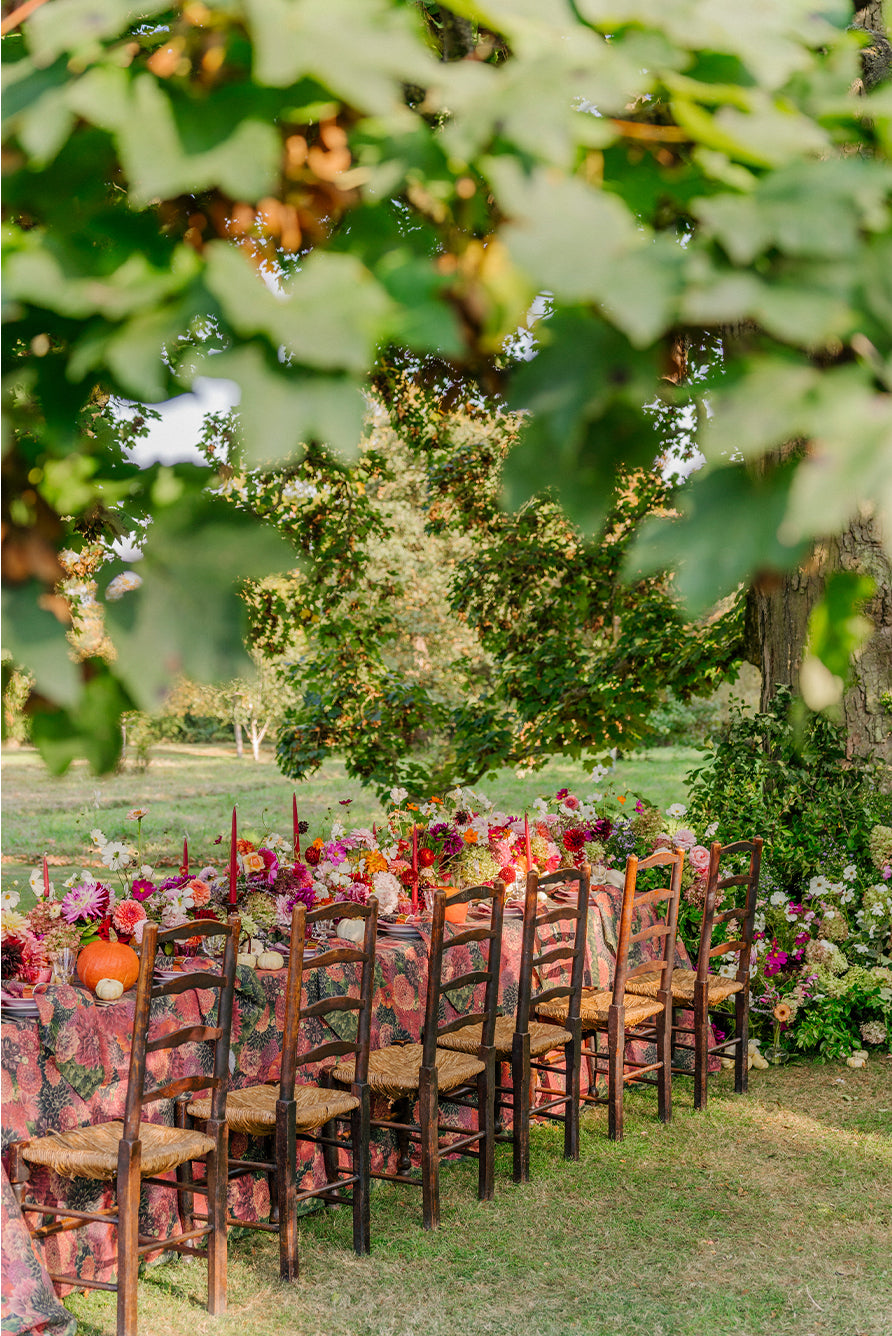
[295, 824]
[526, 836]
[46, 878]
[185, 855]
[414, 869]
[233, 860]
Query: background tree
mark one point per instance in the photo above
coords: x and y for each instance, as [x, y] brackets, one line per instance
[284, 194]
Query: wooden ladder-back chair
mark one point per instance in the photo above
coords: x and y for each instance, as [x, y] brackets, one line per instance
[133, 1152]
[702, 990]
[410, 1074]
[617, 1013]
[309, 1109]
[524, 1041]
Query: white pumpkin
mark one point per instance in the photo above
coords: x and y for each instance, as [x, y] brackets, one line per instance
[270, 960]
[109, 989]
[246, 958]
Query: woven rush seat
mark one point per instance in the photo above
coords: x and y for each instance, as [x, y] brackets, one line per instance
[253, 1109]
[596, 1006]
[394, 1071]
[648, 985]
[543, 1037]
[92, 1152]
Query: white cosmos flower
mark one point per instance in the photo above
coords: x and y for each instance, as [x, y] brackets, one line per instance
[35, 881]
[97, 836]
[819, 885]
[337, 829]
[398, 795]
[598, 772]
[116, 855]
[710, 830]
[778, 898]
[676, 811]
[9, 899]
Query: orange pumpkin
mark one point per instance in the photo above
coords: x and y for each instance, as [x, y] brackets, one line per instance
[108, 960]
[454, 913]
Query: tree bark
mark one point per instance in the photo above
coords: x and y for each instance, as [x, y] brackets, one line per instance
[777, 622]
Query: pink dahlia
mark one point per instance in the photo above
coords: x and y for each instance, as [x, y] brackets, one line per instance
[87, 901]
[199, 891]
[142, 889]
[125, 917]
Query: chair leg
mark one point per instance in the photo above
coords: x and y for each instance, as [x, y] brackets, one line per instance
[184, 1171]
[664, 1057]
[286, 1187]
[573, 1090]
[616, 1042]
[128, 1186]
[428, 1120]
[486, 1123]
[360, 1132]
[217, 1176]
[520, 1085]
[402, 1113]
[742, 1035]
[701, 1045]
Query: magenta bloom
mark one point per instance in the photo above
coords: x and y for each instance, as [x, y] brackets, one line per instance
[142, 889]
[87, 901]
[775, 961]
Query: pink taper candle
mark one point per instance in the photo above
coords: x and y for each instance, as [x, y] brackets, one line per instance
[526, 836]
[46, 878]
[233, 860]
[295, 825]
[414, 869]
[185, 856]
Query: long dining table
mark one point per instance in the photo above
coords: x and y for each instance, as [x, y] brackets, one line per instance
[68, 1067]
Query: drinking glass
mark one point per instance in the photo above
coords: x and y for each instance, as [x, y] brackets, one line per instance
[63, 963]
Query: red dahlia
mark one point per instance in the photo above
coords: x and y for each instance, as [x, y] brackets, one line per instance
[574, 840]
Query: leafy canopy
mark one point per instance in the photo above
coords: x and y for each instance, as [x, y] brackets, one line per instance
[279, 192]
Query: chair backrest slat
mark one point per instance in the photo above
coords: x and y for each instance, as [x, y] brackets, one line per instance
[192, 1034]
[745, 913]
[573, 916]
[362, 956]
[489, 935]
[665, 919]
[218, 1033]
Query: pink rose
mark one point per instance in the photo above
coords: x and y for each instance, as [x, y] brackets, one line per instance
[699, 858]
[685, 838]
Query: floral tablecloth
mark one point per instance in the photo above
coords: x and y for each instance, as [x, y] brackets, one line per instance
[69, 1068]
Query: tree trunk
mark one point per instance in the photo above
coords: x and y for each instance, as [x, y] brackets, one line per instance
[777, 622]
[239, 748]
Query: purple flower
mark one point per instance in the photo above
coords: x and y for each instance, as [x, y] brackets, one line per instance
[775, 961]
[304, 895]
[601, 830]
[87, 901]
[141, 889]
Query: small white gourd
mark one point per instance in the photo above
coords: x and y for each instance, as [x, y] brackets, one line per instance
[246, 958]
[107, 990]
[270, 960]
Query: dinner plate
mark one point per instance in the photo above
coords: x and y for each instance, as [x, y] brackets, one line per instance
[19, 1008]
[405, 932]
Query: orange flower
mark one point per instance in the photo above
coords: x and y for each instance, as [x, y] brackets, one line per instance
[436, 800]
[621, 798]
[470, 837]
[254, 862]
[244, 846]
[782, 1013]
[413, 807]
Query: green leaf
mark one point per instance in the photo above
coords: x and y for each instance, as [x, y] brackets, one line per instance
[36, 641]
[566, 236]
[727, 533]
[91, 728]
[187, 616]
[329, 315]
[836, 627]
[282, 408]
[80, 25]
[171, 147]
[364, 53]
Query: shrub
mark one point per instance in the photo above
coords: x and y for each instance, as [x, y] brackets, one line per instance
[824, 916]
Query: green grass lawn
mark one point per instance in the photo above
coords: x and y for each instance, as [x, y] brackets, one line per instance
[767, 1215]
[190, 790]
